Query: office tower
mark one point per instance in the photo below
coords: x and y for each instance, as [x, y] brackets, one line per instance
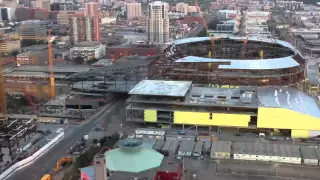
[33, 28]
[158, 22]
[133, 10]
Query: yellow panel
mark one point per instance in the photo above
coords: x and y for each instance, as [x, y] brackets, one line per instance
[150, 115]
[299, 133]
[218, 119]
[279, 118]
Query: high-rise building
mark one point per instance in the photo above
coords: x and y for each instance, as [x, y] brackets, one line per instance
[158, 22]
[33, 28]
[84, 28]
[92, 9]
[7, 14]
[133, 10]
[182, 7]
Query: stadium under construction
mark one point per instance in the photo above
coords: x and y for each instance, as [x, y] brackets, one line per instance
[237, 83]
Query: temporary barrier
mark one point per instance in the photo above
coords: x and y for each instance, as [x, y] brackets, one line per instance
[21, 164]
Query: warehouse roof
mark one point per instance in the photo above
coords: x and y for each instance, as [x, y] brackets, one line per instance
[308, 152]
[221, 146]
[186, 146]
[161, 88]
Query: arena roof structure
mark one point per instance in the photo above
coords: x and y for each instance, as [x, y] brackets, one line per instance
[231, 60]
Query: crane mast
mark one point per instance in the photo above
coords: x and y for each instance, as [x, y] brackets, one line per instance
[205, 25]
[3, 100]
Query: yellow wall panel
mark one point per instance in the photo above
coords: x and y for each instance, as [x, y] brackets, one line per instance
[299, 133]
[218, 119]
[150, 115]
[279, 118]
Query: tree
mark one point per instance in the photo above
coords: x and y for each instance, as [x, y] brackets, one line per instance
[79, 60]
[92, 60]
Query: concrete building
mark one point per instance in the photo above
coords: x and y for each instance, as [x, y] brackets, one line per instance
[182, 7]
[158, 22]
[43, 4]
[32, 57]
[267, 152]
[309, 156]
[84, 28]
[92, 9]
[220, 149]
[7, 14]
[151, 133]
[88, 50]
[116, 52]
[133, 10]
[33, 29]
[186, 148]
[63, 16]
[7, 47]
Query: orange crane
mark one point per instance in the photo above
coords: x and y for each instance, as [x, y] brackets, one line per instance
[205, 25]
[3, 100]
[50, 57]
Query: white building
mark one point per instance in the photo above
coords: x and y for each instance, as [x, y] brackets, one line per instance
[88, 50]
[182, 7]
[158, 22]
[133, 10]
[7, 14]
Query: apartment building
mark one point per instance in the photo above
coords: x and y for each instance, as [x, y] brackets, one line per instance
[133, 10]
[182, 7]
[92, 9]
[158, 22]
[63, 16]
[84, 28]
[33, 29]
[88, 50]
[7, 47]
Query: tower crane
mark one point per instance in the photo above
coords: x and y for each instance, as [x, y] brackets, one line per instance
[3, 98]
[205, 25]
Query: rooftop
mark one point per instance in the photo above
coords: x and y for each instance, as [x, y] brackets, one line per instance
[161, 88]
[87, 44]
[36, 47]
[32, 22]
[254, 97]
[277, 63]
[133, 160]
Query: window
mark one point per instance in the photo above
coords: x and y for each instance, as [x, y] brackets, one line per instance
[222, 97]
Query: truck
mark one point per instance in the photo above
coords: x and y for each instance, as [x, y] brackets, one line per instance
[46, 177]
[63, 162]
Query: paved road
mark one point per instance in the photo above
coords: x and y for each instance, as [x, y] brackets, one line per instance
[46, 163]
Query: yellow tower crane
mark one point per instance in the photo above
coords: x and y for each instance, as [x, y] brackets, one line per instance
[3, 98]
